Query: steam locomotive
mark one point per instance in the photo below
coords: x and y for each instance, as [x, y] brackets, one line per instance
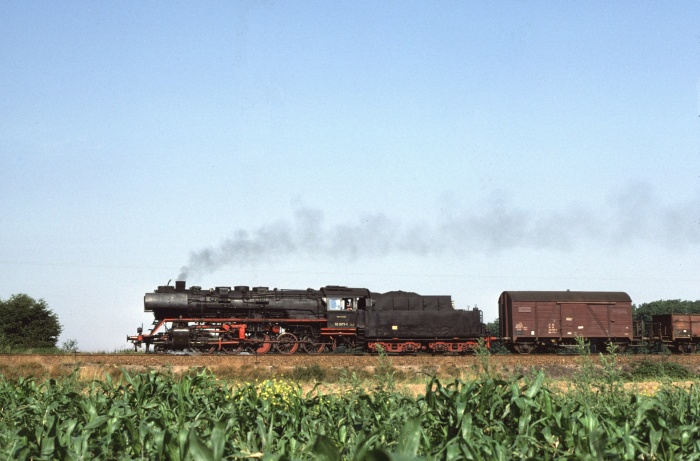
[260, 320]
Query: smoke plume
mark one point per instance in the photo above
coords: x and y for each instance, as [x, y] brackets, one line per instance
[635, 215]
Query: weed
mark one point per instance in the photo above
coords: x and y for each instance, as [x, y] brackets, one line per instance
[385, 373]
[583, 378]
[483, 356]
[610, 380]
[313, 373]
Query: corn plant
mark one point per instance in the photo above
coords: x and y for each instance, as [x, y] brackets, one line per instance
[195, 417]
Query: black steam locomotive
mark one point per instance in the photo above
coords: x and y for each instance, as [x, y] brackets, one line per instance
[260, 320]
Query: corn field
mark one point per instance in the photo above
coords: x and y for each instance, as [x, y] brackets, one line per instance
[195, 417]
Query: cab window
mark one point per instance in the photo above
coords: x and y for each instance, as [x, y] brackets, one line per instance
[335, 304]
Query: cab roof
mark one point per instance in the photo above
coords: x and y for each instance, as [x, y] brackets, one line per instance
[345, 292]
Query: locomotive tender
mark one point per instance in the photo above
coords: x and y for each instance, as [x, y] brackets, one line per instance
[260, 320]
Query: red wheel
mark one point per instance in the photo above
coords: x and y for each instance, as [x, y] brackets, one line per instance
[265, 346]
[311, 347]
[286, 344]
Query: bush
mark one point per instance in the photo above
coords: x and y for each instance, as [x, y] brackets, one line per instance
[647, 369]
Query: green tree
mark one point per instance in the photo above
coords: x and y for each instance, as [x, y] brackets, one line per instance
[493, 328]
[26, 323]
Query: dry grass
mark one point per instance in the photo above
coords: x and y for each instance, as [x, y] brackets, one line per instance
[411, 372]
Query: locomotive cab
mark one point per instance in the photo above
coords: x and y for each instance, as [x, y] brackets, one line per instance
[346, 306]
[345, 312]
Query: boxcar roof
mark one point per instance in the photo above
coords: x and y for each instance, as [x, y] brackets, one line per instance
[568, 296]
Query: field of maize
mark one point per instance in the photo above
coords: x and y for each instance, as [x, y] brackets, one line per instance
[159, 416]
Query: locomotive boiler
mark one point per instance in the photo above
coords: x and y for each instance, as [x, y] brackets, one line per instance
[261, 320]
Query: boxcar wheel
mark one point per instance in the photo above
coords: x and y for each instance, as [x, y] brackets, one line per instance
[523, 348]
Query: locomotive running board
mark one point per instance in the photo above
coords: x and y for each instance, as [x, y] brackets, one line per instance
[338, 331]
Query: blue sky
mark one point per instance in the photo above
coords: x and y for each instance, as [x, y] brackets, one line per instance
[461, 148]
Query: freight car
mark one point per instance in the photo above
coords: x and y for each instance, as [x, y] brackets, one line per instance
[539, 320]
[260, 320]
[680, 332]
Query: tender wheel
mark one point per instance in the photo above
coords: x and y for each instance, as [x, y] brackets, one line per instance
[286, 344]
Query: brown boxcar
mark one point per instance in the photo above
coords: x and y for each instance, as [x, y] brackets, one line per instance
[681, 331]
[538, 319]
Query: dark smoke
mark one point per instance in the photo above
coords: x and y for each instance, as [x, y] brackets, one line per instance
[635, 215]
[307, 234]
